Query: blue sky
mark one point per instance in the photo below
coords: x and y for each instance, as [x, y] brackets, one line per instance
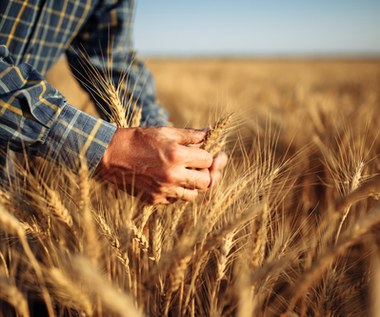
[286, 27]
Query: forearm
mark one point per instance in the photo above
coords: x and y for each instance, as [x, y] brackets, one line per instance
[35, 117]
[76, 135]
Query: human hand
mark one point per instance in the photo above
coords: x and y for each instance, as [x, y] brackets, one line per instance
[219, 162]
[158, 164]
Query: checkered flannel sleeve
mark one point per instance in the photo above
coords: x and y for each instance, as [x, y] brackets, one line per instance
[36, 118]
[109, 29]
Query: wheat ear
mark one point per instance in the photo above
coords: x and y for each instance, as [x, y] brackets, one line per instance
[136, 117]
[68, 292]
[118, 112]
[354, 185]
[13, 226]
[370, 188]
[140, 237]
[176, 278]
[57, 207]
[109, 234]
[345, 241]
[112, 297]
[214, 134]
[157, 231]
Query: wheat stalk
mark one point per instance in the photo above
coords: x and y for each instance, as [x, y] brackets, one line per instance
[68, 292]
[10, 293]
[13, 226]
[354, 185]
[252, 247]
[115, 300]
[369, 188]
[91, 244]
[345, 241]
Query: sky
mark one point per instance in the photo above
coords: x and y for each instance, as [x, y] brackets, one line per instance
[252, 27]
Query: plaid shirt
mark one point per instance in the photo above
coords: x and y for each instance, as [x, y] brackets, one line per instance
[34, 116]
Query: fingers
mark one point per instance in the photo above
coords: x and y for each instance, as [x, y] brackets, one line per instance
[219, 162]
[197, 175]
[188, 136]
[185, 194]
[171, 196]
[195, 179]
[155, 200]
[193, 157]
[164, 163]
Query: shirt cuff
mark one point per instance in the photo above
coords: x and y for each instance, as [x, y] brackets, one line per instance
[76, 135]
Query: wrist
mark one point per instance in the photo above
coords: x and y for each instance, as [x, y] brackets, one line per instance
[118, 149]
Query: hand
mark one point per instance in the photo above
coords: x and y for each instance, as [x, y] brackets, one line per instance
[220, 161]
[157, 164]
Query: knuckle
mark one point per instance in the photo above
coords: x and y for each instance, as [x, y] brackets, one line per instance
[172, 153]
[172, 156]
[156, 198]
[160, 189]
[169, 177]
[165, 132]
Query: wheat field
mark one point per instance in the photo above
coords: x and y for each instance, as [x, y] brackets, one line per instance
[292, 229]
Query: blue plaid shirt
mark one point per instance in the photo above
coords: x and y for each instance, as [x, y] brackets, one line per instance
[34, 116]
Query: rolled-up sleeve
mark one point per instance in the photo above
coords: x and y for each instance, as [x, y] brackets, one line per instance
[35, 117]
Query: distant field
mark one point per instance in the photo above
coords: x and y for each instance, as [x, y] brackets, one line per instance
[259, 86]
[254, 85]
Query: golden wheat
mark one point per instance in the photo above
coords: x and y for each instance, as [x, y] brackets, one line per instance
[290, 229]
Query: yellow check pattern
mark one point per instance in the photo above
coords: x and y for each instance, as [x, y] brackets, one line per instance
[34, 116]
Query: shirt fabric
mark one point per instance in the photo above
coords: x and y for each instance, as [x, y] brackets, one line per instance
[34, 116]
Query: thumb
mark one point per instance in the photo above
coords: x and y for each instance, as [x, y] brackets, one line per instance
[190, 136]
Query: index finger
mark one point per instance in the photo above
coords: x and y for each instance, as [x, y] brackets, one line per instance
[194, 157]
[189, 136]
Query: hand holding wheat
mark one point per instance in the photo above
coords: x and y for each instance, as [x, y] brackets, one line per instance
[157, 164]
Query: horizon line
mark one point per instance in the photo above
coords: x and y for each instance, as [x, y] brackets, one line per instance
[286, 55]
